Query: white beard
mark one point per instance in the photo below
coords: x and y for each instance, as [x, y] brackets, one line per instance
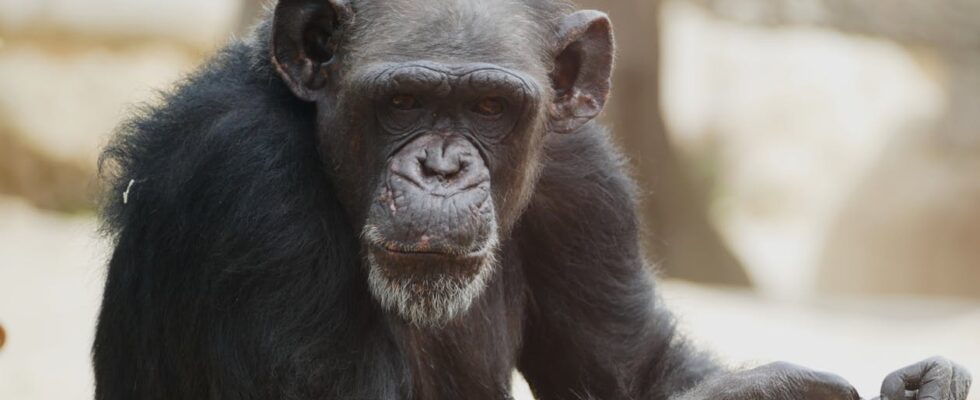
[432, 301]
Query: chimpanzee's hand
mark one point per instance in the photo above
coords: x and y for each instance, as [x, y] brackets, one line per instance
[934, 379]
[776, 381]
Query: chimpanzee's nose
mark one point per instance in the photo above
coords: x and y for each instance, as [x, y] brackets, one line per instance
[443, 161]
[447, 161]
[442, 164]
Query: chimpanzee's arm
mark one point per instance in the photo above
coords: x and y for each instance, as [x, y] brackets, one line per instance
[595, 327]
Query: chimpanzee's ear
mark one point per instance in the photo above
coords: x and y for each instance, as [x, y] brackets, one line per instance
[583, 69]
[305, 38]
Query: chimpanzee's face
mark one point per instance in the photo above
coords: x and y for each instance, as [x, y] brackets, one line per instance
[445, 164]
[431, 122]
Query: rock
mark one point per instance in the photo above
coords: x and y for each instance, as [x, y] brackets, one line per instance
[784, 122]
[912, 226]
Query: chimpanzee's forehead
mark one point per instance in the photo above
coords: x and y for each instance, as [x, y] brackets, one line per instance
[513, 33]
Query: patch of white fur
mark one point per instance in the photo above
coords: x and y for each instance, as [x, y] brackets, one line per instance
[125, 195]
[431, 301]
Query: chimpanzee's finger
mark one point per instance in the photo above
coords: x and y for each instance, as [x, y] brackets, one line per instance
[960, 384]
[931, 378]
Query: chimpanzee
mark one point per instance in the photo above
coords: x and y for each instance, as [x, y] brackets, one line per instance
[400, 199]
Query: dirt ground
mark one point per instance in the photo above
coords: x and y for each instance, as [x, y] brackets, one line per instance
[51, 277]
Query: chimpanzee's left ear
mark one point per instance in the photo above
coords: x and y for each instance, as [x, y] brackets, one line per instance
[305, 38]
[583, 69]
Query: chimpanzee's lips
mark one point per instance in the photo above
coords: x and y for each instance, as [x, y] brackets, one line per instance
[396, 261]
[376, 240]
[443, 252]
[405, 250]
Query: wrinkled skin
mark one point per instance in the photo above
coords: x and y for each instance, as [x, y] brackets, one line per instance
[936, 378]
[431, 229]
[401, 199]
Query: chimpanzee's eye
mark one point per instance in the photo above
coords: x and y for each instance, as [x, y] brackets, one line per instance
[491, 107]
[404, 102]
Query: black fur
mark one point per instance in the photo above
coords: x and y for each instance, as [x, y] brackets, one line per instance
[237, 275]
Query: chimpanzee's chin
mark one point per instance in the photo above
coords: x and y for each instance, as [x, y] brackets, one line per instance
[428, 289]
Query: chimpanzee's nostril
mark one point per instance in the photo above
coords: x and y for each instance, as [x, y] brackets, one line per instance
[443, 165]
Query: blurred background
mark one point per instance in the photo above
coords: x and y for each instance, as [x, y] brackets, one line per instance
[810, 170]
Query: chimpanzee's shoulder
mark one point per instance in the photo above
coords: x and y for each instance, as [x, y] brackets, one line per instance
[587, 156]
[229, 123]
[585, 176]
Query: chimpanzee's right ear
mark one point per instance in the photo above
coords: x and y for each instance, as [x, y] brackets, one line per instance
[305, 37]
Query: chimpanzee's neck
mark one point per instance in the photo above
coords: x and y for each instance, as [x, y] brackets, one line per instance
[474, 356]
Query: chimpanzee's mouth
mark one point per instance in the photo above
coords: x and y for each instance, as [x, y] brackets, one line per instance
[438, 252]
[425, 245]
[397, 256]
[427, 284]
[427, 262]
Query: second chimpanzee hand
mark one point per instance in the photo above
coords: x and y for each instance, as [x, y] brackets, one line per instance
[933, 379]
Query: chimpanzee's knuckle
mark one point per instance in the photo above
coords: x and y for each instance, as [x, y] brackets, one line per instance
[938, 362]
[964, 376]
[893, 383]
[784, 367]
[834, 380]
[961, 383]
[835, 384]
